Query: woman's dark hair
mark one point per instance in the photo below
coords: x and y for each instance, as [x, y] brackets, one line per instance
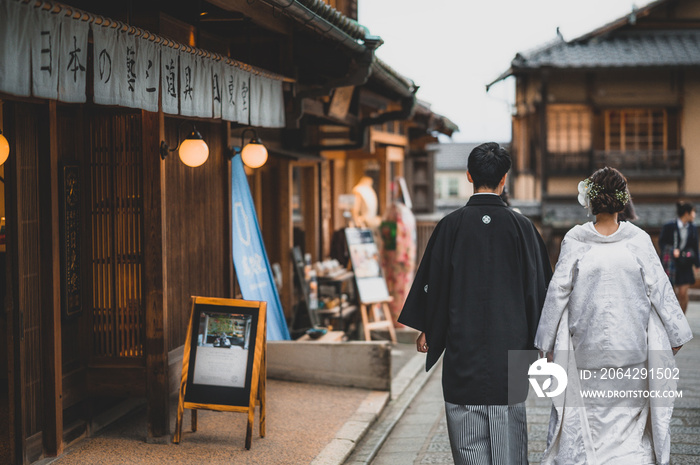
[611, 181]
[487, 165]
[684, 207]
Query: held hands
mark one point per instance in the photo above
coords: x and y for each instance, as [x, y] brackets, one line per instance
[421, 344]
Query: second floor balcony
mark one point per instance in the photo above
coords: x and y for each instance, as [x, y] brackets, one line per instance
[649, 164]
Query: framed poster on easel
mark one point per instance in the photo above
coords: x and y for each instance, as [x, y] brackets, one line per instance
[224, 362]
[369, 279]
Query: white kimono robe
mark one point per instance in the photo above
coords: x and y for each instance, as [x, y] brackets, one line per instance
[610, 304]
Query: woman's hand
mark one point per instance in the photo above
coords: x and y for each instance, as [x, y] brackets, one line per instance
[676, 253]
[421, 344]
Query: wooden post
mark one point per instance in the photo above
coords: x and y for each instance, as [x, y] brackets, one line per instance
[49, 196]
[312, 209]
[15, 325]
[286, 237]
[156, 348]
[183, 383]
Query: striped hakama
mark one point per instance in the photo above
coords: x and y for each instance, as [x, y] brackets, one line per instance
[487, 434]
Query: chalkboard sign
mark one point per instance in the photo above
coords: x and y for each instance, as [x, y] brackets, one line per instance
[223, 365]
[364, 256]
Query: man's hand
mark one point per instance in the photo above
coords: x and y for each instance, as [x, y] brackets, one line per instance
[676, 253]
[676, 349]
[421, 344]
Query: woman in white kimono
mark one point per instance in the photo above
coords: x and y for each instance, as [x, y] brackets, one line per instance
[610, 305]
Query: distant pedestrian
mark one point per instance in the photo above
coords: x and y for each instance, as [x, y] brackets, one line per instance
[678, 242]
[477, 295]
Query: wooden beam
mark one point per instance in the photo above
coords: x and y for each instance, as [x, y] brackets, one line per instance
[156, 347]
[286, 235]
[51, 290]
[387, 138]
[261, 14]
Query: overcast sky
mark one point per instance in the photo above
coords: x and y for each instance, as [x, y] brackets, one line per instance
[453, 48]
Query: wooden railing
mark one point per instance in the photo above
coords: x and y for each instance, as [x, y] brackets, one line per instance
[633, 163]
[644, 163]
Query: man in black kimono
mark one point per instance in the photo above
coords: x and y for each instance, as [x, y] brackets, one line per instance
[477, 295]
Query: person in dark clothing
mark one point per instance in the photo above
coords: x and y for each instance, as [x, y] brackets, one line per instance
[678, 242]
[478, 294]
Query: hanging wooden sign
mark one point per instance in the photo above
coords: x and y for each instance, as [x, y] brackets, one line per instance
[70, 240]
[224, 363]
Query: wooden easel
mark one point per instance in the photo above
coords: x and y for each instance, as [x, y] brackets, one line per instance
[367, 310]
[258, 381]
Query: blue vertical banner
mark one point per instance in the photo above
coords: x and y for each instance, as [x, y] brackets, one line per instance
[249, 257]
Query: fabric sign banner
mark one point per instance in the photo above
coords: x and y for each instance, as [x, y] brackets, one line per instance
[147, 77]
[257, 94]
[107, 65]
[249, 257]
[16, 31]
[217, 68]
[188, 73]
[230, 84]
[169, 80]
[202, 88]
[267, 102]
[243, 98]
[46, 34]
[128, 77]
[72, 60]
[277, 116]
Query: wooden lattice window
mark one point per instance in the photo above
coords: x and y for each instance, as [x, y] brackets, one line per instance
[569, 128]
[637, 129]
[116, 223]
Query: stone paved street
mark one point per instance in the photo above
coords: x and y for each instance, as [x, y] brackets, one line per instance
[420, 436]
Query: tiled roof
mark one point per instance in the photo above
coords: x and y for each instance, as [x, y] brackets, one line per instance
[628, 49]
[616, 45]
[336, 18]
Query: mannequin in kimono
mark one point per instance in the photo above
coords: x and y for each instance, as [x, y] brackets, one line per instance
[610, 306]
[399, 248]
[477, 294]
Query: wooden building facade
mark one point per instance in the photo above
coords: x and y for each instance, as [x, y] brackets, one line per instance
[623, 95]
[85, 186]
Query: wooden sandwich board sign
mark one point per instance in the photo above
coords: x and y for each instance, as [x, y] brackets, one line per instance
[225, 361]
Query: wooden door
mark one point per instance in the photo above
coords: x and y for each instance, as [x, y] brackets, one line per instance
[116, 253]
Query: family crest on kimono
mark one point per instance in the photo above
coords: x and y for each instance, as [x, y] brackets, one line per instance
[610, 305]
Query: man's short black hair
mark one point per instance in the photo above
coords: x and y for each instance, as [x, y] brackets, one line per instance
[487, 165]
[684, 207]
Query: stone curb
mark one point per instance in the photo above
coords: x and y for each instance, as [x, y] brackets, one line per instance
[380, 408]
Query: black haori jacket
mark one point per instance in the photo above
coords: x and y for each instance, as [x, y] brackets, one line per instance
[478, 294]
